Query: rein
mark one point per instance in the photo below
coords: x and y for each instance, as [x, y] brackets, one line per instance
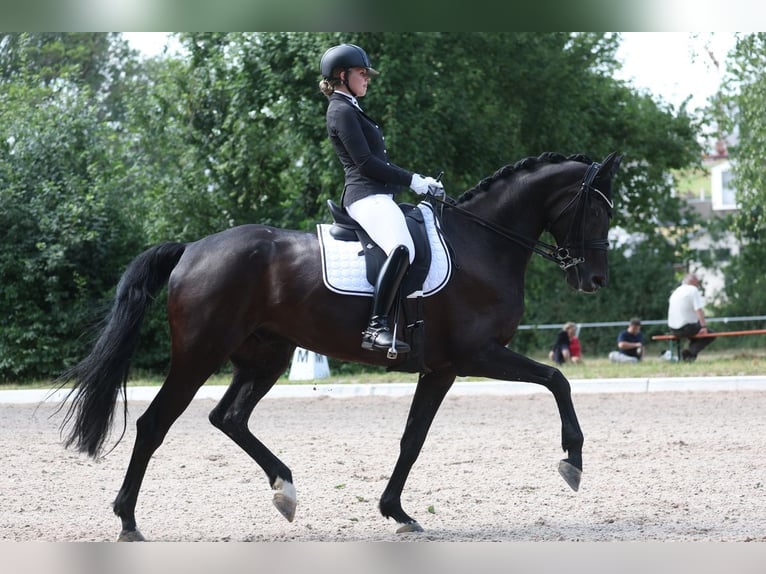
[558, 254]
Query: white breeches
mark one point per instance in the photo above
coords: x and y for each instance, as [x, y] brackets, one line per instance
[383, 220]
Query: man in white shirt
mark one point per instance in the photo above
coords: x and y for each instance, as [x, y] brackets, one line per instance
[686, 316]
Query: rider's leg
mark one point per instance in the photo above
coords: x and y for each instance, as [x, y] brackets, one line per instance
[384, 222]
[378, 334]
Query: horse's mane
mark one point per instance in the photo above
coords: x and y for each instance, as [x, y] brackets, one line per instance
[526, 164]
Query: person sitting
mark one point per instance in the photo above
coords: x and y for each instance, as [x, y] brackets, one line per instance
[686, 316]
[561, 351]
[575, 350]
[630, 344]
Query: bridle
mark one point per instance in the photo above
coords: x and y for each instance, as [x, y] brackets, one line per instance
[561, 255]
[576, 233]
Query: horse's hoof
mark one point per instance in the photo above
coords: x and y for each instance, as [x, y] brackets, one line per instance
[409, 527]
[131, 536]
[285, 498]
[285, 505]
[571, 474]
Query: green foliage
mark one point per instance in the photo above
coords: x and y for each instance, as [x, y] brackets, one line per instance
[251, 117]
[49, 57]
[102, 154]
[745, 282]
[738, 109]
[740, 106]
[62, 195]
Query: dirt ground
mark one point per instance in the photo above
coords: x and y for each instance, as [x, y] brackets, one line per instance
[661, 466]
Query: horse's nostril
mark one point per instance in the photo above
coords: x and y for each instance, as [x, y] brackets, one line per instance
[599, 280]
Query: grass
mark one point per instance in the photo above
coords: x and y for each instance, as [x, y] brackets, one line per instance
[709, 364]
[728, 363]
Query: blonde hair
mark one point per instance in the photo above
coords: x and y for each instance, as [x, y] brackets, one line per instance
[569, 325]
[327, 86]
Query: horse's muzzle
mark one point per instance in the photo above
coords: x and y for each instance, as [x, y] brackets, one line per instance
[582, 279]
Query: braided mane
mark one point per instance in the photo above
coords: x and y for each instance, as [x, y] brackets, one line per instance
[526, 164]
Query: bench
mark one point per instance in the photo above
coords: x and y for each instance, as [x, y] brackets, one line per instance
[675, 341]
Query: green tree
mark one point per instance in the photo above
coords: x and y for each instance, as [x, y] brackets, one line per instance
[64, 226]
[466, 104]
[103, 63]
[738, 110]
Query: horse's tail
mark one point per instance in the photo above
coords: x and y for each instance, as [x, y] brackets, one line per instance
[99, 378]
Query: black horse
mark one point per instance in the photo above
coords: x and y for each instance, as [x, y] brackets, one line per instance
[252, 293]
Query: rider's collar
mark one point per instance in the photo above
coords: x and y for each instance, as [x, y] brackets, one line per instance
[351, 98]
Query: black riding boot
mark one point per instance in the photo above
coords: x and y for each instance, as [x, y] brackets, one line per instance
[378, 335]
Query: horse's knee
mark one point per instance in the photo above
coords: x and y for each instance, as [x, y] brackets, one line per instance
[557, 383]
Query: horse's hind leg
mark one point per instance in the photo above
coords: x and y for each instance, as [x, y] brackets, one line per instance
[429, 394]
[256, 368]
[172, 399]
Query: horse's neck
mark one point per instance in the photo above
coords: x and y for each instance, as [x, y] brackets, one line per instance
[520, 211]
[532, 204]
[495, 224]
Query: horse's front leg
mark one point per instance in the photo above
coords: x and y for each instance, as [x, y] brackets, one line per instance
[429, 393]
[498, 362]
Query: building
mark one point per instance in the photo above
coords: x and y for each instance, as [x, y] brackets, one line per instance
[709, 192]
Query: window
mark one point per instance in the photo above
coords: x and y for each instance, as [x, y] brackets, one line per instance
[724, 194]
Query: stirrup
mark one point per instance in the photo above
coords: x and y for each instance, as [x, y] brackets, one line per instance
[379, 338]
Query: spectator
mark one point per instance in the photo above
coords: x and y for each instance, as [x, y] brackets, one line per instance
[575, 351]
[630, 344]
[561, 351]
[686, 316]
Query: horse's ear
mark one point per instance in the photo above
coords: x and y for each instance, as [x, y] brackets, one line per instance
[610, 165]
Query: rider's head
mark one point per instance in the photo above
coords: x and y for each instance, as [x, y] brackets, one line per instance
[345, 65]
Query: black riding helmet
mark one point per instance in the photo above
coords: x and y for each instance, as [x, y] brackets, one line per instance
[344, 56]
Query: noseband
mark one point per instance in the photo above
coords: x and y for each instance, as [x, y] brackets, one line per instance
[558, 254]
[575, 237]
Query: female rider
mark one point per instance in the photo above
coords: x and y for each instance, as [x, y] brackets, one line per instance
[371, 181]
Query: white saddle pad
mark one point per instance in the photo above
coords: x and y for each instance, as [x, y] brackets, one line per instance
[343, 267]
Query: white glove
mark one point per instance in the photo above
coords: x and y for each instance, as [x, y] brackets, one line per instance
[436, 190]
[422, 185]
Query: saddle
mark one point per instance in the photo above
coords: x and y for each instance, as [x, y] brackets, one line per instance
[345, 228]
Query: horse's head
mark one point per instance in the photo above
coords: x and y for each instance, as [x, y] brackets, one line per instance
[580, 224]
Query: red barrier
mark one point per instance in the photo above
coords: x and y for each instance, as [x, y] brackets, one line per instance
[709, 335]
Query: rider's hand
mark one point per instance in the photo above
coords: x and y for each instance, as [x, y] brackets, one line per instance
[436, 188]
[422, 185]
